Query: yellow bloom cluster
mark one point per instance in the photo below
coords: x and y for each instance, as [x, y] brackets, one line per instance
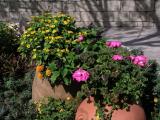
[38, 107]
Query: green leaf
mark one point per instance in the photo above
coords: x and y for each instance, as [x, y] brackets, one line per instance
[55, 76]
[66, 81]
[65, 71]
[52, 66]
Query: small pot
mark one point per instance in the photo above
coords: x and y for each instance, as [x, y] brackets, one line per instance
[87, 111]
[42, 89]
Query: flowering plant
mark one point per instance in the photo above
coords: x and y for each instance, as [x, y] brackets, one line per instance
[54, 42]
[65, 53]
[118, 76]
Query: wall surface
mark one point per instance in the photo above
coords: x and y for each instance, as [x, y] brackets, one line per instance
[107, 13]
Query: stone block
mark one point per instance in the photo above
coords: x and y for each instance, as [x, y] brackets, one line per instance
[91, 16]
[57, 7]
[4, 6]
[123, 16]
[69, 6]
[145, 24]
[157, 9]
[129, 5]
[113, 5]
[96, 5]
[138, 16]
[76, 15]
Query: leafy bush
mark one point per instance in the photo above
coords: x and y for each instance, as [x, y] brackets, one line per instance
[57, 109]
[8, 38]
[15, 92]
[15, 98]
[53, 42]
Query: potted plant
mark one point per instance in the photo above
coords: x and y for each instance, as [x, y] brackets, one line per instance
[70, 59]
[116, 82]
[53, 43]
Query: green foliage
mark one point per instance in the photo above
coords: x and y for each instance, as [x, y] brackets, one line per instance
[8, 38]
[15, 98]
[15, 92]
[53, 42]
[116, 83]
[58, 110]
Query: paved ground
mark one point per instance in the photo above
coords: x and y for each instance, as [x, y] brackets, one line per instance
[146, 39]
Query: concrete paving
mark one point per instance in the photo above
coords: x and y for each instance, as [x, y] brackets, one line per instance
[146, 39]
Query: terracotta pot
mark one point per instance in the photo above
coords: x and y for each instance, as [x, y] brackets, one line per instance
[87, 111]
[42, 89]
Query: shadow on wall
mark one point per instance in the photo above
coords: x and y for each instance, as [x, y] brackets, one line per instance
[105, 13]
[142, 4]
[112, 13]
[96, 11]
[20, 11]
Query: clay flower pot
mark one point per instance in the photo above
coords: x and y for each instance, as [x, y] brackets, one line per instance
[42, 89]
[87, 111]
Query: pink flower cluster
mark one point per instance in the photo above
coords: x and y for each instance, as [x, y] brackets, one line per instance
[80, 38]
[140, 60]
[80, 75]
[117, 57]
[113, 44]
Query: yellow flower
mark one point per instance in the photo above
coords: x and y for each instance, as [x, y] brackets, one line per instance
[38, 106]
[61, 110]
[50, 37]
[52, 26]
[65, 22]
[55, 21]
[22, 43]
[48, 72]
[54, 31]
[28, 35]
[49, 21]
[58, 37]
[67, 50]
[46, 50]
[63, 50]
[34, 50]
[97, 117]
[29, 29]
[33, 32]
[43, 32]
[68, 98]
[34, 56]
[155, 100]
[28, 46]
[47, 31]
[85, 33]
[70, 32]
[46, 38]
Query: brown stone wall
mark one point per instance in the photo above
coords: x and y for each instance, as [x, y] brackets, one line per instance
[107, 13]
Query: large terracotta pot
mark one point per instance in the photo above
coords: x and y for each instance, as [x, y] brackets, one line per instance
[42, 89]
[87, 111]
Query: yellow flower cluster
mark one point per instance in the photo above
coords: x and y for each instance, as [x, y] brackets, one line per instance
[38, 107]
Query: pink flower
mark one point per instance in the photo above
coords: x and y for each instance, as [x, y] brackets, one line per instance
[140, 60]
[80, 38]
[80, 75]
[131, 57]
[113, 44]
[117, 57]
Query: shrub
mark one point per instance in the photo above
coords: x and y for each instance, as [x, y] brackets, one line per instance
[15, 100]
[53, 42]
[15, 83]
